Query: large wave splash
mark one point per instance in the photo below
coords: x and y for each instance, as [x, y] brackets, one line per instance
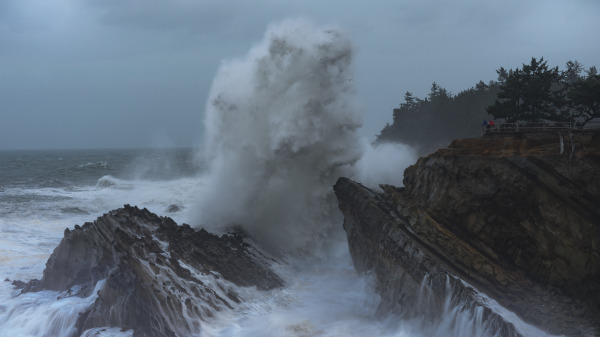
[280, 129]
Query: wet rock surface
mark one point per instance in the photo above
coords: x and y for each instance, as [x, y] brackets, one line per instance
[156, 277]
[512, 215]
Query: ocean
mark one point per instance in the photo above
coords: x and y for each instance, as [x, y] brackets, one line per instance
[280, 128]
[44, 192]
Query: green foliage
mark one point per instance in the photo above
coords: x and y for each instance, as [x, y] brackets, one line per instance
[572, 74]
[532, 93]
[585, 97]
[432, 122]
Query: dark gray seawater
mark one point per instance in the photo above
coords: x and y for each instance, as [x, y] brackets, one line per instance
[61, 168]
[47, 179]
[44, 192]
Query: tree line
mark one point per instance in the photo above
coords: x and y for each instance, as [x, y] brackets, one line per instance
[532, 93]
[537, 93]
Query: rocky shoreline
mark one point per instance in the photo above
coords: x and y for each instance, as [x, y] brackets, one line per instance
[152, 275]
[514, 215]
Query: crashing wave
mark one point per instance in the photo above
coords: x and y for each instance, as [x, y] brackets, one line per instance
[106, 181]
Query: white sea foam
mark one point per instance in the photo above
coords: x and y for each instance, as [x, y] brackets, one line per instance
[29, 231]
[280, 129]
[42, 313]
[107, 332]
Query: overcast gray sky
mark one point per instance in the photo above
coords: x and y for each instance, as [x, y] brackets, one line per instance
[136, 73]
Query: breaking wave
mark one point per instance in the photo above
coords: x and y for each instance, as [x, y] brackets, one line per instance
[280, 129]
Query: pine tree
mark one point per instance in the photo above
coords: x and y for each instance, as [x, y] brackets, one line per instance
[572, 74]
[528, 94]
[585, 97]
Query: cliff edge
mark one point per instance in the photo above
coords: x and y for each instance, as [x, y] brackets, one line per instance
[515, 216]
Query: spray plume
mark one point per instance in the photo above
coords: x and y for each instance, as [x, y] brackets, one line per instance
[280, 129]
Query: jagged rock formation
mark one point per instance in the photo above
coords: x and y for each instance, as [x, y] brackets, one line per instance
[161, 279]
[511, 214]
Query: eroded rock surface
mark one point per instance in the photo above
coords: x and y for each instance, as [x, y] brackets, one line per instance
[509, 214]
[161, 279]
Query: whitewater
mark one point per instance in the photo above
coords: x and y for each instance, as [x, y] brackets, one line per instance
[281, 126]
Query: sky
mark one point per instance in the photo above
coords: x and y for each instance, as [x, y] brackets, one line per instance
[137, 73]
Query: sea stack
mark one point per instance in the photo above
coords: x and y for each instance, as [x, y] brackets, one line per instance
[151, 275]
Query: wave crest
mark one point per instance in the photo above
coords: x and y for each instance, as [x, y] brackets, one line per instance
[106, 181]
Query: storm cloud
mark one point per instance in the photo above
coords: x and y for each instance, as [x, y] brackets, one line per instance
[136, 73]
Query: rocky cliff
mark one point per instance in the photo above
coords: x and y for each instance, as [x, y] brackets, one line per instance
[150, 274]
[515, 216]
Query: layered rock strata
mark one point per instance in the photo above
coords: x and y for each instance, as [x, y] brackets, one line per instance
[517, 216]
[159, 279]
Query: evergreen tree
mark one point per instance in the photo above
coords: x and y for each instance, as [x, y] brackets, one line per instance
[532, 93]
[481, 86]
[592, 71]
[568, 77]
[509, 104]
[410, 100]
[503, 75]
[438, 93]
[572, 74]
[432, 122]
[527, 94]
[585, 97]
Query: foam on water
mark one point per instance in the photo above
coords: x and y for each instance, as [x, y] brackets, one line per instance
[31, 226]
[280, 129]
[322, 298]
[43, 313]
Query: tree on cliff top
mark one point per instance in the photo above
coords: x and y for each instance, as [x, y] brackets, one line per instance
[433, 121]
[528, 94]
[585, 97]
[534, 92]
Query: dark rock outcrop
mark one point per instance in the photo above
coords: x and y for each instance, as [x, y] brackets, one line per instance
[512, 215]
[158, 278]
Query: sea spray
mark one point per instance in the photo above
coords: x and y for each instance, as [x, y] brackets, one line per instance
[280, 129]
[383, 164]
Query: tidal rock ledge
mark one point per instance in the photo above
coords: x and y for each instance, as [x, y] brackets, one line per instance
[161, 279]
[515, 216]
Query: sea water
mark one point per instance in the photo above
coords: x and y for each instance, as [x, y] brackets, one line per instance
[44, 192]
[281, 127]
